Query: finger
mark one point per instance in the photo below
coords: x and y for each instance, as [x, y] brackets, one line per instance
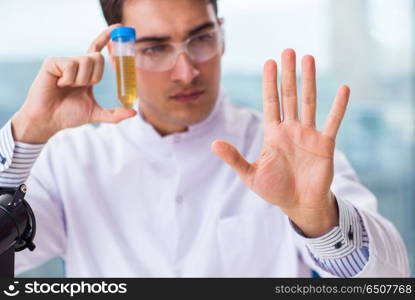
[270, 93]
[85, 67]
[337, 112]
[308, 91]
[289, 86]
[98, 67]
[115, 115]
[102, 40]
[68, 70]
[232, 157]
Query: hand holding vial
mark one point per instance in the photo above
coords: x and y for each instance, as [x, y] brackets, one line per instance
[61, 96]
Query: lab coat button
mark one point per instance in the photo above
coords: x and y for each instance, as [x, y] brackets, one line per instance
[179, 199]
[176, 138]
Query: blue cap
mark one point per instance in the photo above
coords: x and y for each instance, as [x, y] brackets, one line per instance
[125, 33]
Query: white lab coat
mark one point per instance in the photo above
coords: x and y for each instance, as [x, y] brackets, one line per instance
[121, 201]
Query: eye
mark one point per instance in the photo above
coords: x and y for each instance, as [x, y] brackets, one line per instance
[204, 37]
[157, 49]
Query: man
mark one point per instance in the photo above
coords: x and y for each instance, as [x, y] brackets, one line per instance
[147, 196]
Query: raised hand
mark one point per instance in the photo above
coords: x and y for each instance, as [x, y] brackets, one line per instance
[295, 167]
[61, 96]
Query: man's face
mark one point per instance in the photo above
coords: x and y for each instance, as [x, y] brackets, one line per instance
[162, 94]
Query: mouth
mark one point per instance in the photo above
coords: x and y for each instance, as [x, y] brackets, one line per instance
[187, 96]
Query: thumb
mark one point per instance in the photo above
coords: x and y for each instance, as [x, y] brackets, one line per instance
[115, 115]
[232, 157]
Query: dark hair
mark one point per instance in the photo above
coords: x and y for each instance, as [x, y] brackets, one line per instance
[112, 10]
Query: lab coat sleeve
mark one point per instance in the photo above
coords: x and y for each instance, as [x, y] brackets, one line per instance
[30, 164]
[387, 255]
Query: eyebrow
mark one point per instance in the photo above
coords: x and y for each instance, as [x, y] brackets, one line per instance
[199, 28]
[191, 32]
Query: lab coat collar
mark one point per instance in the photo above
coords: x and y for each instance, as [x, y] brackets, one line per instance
[143, 133]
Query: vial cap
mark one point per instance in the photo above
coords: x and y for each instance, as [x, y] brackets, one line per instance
[125, 33]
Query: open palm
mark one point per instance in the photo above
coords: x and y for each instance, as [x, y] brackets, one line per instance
[295, 168]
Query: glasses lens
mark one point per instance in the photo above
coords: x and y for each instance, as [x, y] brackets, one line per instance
[155, 57]
[204, 46]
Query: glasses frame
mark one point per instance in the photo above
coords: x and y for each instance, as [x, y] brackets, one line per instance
[183, 47]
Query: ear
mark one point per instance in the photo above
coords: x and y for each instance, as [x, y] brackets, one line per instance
[111, 57]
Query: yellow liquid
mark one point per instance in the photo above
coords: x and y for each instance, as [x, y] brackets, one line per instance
[126, 85]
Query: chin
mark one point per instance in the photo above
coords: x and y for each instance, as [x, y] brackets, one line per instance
[189, 118]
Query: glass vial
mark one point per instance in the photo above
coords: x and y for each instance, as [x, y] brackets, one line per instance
[123, 40]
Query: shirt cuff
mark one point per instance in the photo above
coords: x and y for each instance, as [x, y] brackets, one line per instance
[6, 146]
[16, 158]
[341, 240]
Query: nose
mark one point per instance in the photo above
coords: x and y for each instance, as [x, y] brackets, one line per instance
[183, 71]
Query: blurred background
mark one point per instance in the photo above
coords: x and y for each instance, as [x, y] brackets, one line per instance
[367, 44]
